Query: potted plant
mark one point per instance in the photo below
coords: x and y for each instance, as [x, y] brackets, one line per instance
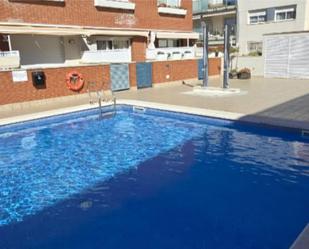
[176, 55]
[233, 74]
[161, 55]
[244, 73]
[162, 5]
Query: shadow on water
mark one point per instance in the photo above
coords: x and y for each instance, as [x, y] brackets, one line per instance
[202, 194]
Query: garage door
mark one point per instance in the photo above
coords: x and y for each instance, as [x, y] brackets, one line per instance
[286, 56]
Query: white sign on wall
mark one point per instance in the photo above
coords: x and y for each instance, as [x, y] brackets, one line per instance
[19, 76]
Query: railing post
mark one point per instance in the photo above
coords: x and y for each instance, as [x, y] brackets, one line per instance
[205, 54]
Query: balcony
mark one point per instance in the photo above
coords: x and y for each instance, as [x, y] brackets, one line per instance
[108, 56]
[171, 7]
[199, 6]
[9, 59]
[115, 4]
[171, 53]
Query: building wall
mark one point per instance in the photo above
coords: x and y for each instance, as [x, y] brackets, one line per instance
[39, 49]
[254, 63]
[73, 47]
[84, 13]
[254, 32]
[307, 16]
[138, 46]
[14, 92]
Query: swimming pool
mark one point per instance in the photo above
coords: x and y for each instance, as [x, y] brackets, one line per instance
[152, 179]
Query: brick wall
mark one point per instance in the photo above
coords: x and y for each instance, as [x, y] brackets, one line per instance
[83, 12]
[13, 92]
[138, 46]
[165, 71]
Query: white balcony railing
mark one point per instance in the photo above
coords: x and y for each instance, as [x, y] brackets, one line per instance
[219, 40]
[116, 4]
[9, 59]
[172, 53]
[171, 7]
[114, 56]
[172, 11]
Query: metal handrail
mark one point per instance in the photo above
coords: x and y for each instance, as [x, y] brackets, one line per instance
[101, 97]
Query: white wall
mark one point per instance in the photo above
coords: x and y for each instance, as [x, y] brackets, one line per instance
[73, 47]
[254, 63]
[37, 49]
[307, 16]
[254, 33]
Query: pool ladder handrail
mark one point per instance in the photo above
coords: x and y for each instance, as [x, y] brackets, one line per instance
[101, 96]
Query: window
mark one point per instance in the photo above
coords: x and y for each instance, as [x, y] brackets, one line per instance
[170, 3]
[284, 14]
[255, 47]
[121, 44]
[104, 45]
[164, 43]
[257, 17]
[112, 44]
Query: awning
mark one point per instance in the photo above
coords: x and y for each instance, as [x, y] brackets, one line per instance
[67, 31]
[13, 30]
[117, 32]
[36, 29]
[178, 35]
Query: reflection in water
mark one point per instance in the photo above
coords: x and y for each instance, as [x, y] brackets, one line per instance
[143, 181]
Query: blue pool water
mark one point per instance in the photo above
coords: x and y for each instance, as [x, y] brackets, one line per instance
[150, 180]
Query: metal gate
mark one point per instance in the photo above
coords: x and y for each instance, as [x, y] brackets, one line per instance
[200, 69]
[119, 74]
[286, 56]
[144, 75]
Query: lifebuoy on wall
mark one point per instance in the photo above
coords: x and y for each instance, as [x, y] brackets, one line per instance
[75, 81]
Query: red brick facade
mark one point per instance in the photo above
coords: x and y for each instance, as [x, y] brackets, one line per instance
[138, 46]
[13, 92]
[84, 13]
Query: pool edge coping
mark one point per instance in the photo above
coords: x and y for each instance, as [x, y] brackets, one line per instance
[232, 116]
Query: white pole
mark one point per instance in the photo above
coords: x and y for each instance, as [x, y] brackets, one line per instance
[9, 42]
[205, 54]
[226, 57]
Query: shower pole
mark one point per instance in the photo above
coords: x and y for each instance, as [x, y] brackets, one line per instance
[226, 57]
[205, 54]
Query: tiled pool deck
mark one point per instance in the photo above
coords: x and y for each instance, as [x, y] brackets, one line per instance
[278, 102]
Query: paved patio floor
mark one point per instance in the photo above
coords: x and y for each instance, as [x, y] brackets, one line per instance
[281, 101]
[277, 101]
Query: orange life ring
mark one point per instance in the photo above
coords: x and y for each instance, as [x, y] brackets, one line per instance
[75, 81]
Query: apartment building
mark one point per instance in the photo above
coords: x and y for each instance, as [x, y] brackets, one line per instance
[73, 32]
[257, 18]
[216, 14]
[59, 48]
